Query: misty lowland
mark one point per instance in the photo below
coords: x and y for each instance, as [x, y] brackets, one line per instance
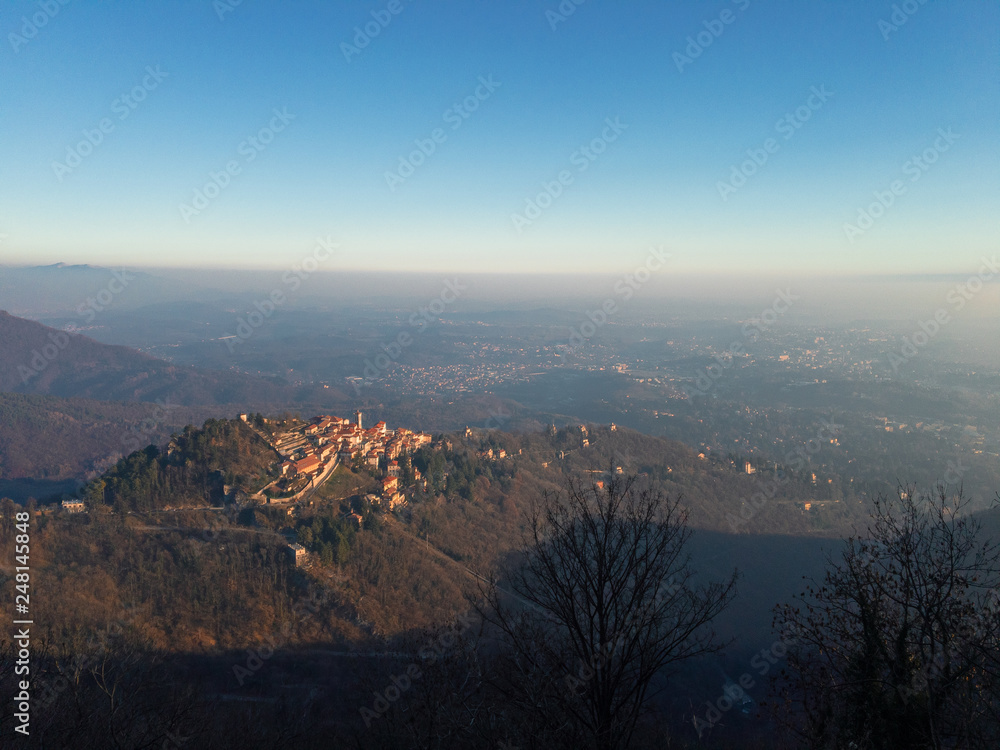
[500, 376]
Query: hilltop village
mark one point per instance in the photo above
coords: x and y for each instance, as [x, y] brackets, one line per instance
[312, 451]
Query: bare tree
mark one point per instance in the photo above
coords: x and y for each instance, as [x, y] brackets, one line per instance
[898, 647]
[603, 601]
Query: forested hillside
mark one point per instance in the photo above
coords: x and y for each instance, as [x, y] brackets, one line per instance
[53, 438]
[192, 471]
[139, 590]
[43, 360]
[420, 560]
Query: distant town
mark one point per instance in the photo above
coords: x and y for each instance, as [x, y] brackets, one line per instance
[312, 451]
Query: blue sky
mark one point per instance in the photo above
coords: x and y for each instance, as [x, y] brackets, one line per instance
[685, 123]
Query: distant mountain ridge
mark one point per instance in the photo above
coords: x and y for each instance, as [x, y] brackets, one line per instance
[42, 360]
[60, 288]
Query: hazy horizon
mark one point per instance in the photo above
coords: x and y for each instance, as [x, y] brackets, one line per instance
[661, 294]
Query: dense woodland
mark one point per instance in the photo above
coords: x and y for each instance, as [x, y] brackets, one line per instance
[193, 470]
[53, 438]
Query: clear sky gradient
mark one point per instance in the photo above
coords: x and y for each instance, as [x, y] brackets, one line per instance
[889, 90]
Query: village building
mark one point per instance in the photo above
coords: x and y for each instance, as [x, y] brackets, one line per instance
[297, 554]
[308, 466]
[393, 501]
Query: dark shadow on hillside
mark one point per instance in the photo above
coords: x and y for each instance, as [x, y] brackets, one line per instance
[20, 490]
